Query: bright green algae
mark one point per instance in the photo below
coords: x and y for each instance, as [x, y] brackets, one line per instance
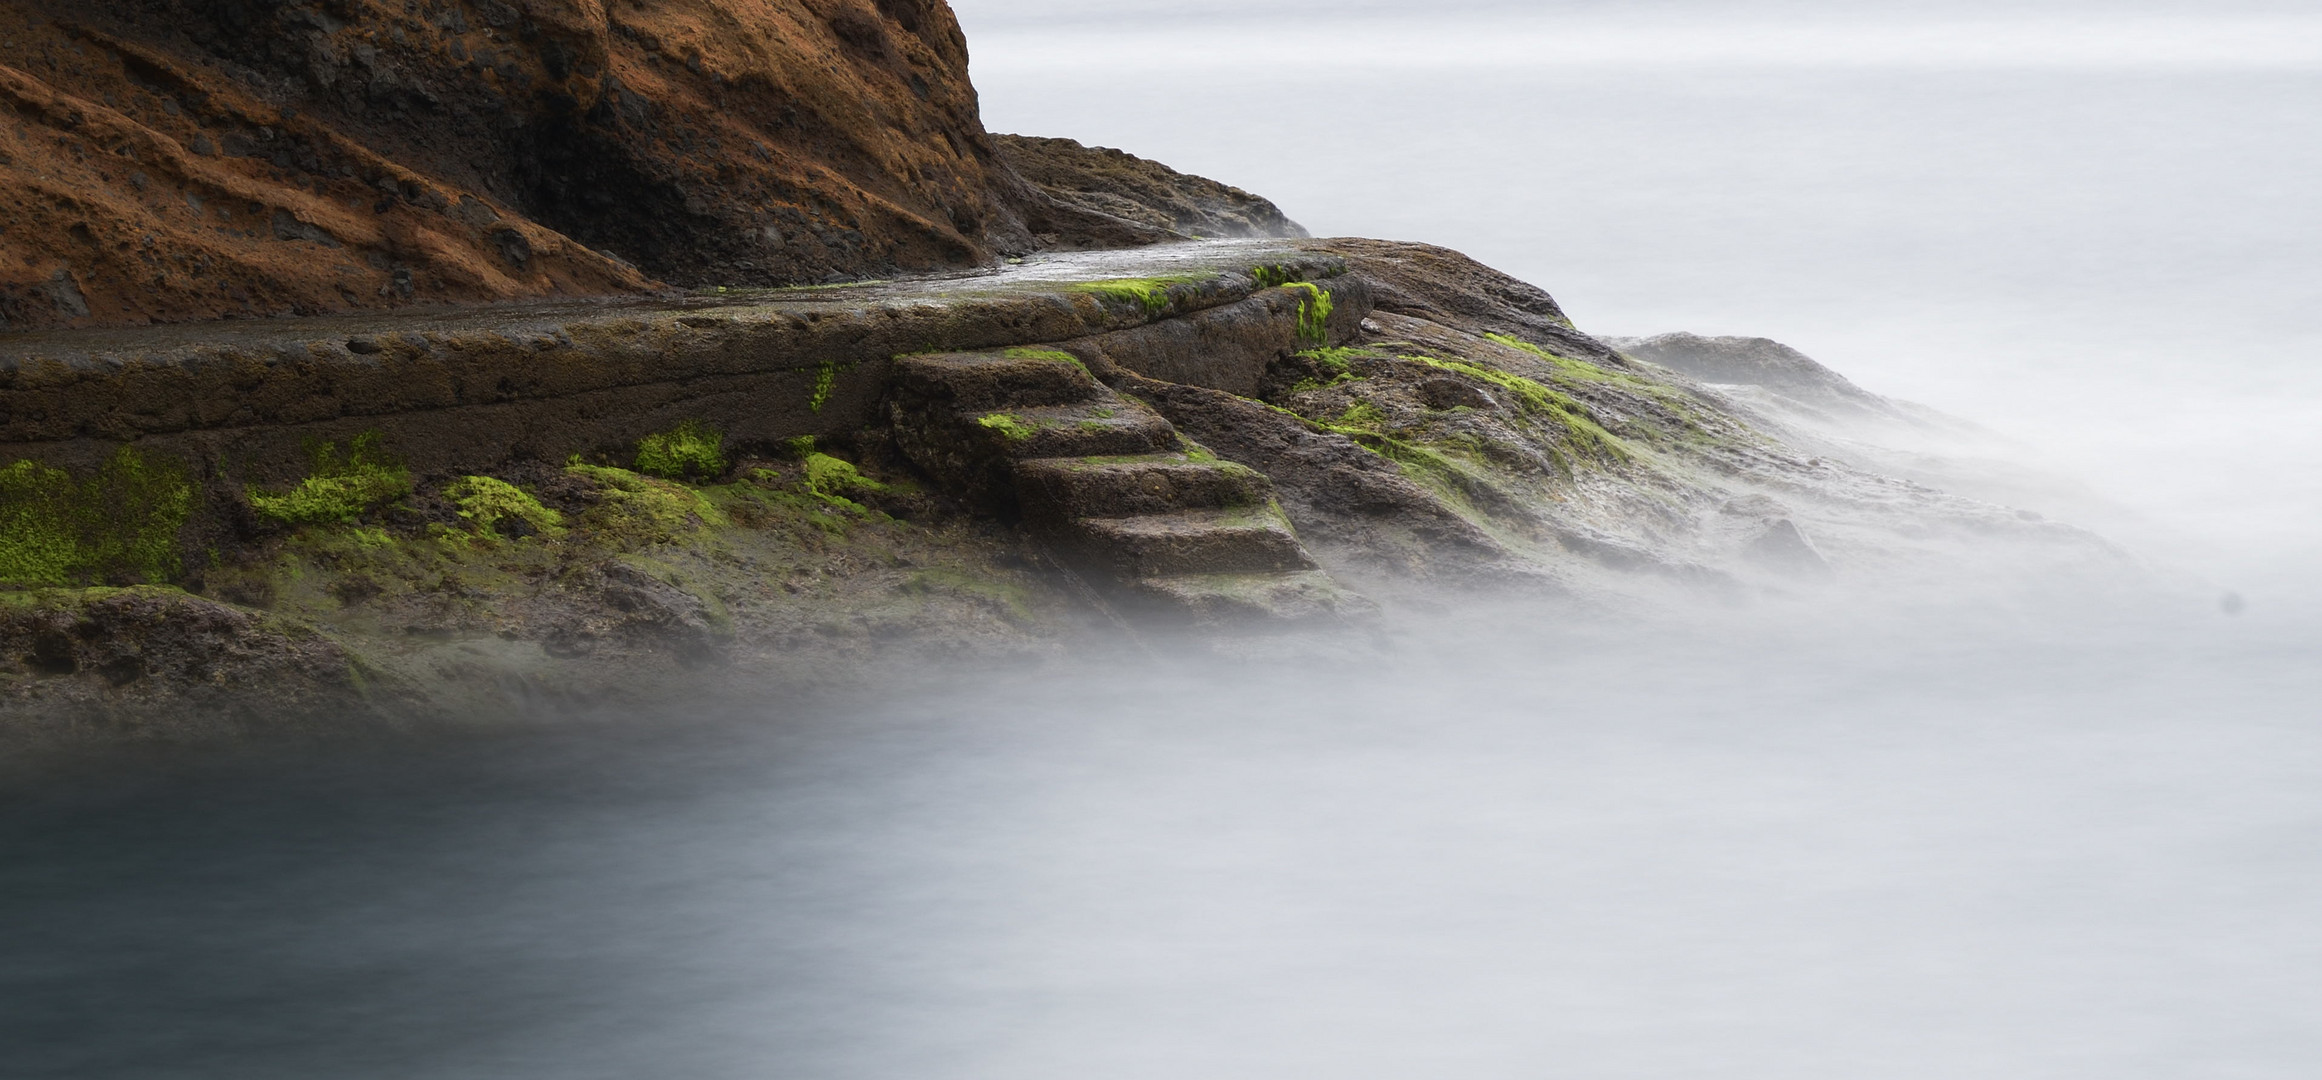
[1314, 309]
[692, 450]
[491, 503]
[121, 524]
[1010, 426]
[1151, 294]
[338, 487]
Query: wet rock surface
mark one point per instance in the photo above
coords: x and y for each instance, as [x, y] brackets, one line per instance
[556, 506]
[1108, 488]
[1235, 437]
[158, 662]
[538, 442]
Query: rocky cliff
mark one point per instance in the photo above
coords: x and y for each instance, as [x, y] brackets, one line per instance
[1149, 199]
[485, 509]
[171, 160]
[1091, 427]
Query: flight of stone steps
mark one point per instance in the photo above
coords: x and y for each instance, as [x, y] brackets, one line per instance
[1114, 491]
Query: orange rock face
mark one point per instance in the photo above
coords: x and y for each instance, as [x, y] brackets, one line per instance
[166, 160]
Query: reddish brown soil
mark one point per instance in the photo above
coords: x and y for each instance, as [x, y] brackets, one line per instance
[166, 160]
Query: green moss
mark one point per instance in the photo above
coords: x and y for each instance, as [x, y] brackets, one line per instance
[1012, 600]
[770, 499]
[1436, 471]
[370, 537]
[1567, 367]
[1669, 413]
[1053, 356]
[1362, 415]
[818, 499]
[490, 503]
[1313, 313]
[1272, 276]
[833, 479]
[121, 524]
[1011, 427]
[636, 509]
[692, 450]
[338, 487]
[1335, 364]
[825, 381]
[1151, 294]
[1582, 432]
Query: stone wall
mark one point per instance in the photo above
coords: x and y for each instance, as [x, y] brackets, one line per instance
[243, 404]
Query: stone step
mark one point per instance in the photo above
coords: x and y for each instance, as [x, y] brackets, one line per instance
[984, 382]
[1061, 489]
[1105, 425]
[973, 451]
[1111, 486]
[1241, 540]
[1301, 597]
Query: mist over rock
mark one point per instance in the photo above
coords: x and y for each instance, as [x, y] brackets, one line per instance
[1816, 410]
[1153, 406]
[1751, 361]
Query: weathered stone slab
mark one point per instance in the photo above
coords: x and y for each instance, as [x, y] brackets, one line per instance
[469, 388]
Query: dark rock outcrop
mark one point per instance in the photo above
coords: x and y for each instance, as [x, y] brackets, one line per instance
[1446, 287]
[170, 160]
[83, 661]
[1109, 487]
[1345, 497]
[966, 468]
[1112, 195]
[1752, 361]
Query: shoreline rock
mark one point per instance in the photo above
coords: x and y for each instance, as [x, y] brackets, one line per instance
[1243, 438]
[494, 468]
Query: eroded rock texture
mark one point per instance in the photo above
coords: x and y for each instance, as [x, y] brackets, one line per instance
[165, 160]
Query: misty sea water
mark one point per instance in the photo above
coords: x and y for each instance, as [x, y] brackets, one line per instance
[2068, 837]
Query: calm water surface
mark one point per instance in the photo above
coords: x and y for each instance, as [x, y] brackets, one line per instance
[2049, 851]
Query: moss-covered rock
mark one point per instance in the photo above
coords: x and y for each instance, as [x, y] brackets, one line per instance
[338, 487]
[692, 450]
[499, 508]
[120, 525]
[636, 510]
